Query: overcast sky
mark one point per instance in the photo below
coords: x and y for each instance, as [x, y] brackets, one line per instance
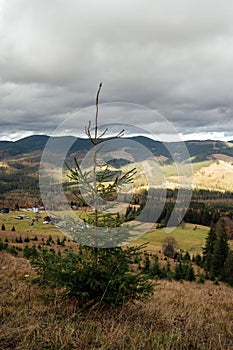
[173, 56]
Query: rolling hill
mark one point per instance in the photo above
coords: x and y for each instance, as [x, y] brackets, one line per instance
[198, 150]
[212, 161]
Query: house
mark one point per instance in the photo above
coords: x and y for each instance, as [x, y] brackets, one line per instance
[35, 209]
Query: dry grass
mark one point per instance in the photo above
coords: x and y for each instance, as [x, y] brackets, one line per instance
[209, 174]
[178, 316]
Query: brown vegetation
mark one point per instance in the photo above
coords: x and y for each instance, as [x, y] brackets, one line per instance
[178, 316]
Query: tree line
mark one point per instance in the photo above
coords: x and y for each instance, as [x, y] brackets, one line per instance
[217, 258]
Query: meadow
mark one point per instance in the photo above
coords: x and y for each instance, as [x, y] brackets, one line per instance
[24, 225]
[190, 238]
[178, 316]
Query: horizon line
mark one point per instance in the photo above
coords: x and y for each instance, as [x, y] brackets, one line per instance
[21, 137]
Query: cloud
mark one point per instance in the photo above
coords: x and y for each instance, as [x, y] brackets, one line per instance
[176, 57]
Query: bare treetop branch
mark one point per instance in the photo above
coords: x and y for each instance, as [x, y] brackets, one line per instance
[97, 112]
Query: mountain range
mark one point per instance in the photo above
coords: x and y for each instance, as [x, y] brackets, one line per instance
[197, 150]
[212, 161]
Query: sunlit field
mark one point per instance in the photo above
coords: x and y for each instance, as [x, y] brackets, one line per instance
[191, 237]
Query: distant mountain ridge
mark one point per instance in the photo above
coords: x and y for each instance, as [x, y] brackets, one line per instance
[35, 143]
[212, 161]
[198, 150]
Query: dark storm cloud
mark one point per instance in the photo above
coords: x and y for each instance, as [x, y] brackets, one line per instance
[175, 57]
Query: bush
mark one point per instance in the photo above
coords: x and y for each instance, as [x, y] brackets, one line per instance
[169, 247]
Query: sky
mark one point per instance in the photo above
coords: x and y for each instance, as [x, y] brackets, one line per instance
[174, 57]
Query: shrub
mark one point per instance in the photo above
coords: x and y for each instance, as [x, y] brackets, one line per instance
[169, 246]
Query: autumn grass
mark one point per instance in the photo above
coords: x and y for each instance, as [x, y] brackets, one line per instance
[208, 174]
[178, 316]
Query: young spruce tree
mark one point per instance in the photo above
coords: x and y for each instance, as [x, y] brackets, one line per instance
[95, 274]
[95, 187]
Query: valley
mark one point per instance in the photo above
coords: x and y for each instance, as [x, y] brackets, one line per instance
[184, 307]
[212, 164]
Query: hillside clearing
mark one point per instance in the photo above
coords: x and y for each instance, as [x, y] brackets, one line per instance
[191, 238]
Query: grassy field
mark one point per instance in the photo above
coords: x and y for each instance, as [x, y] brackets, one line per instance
[24, 225]
[178, 316]
[187, 238]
